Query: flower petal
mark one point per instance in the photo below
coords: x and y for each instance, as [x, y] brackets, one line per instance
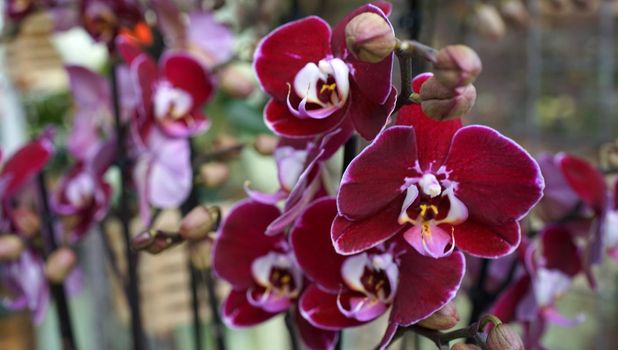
[286, 50]
[282, 122]
[497, 179]
[425, 285]
[351, 237]
[238, 312]
[558, 198]
[368, 117]
[320, 309]
[314, 338]
[313, 248]
[560, 251]
[170, 175]
[185, 72]
[505, 308]
[380, 170]
[241, 240]
[586, 180]
[483, 240]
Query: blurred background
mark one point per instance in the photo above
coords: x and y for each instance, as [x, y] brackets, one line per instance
[550, 76]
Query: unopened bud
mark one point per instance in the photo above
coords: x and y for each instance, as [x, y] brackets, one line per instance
[515, 12]
[503, 337]
[154, 241]
[200, 254]
[10, 247]
[26, 221]
[463, 346]
[370, 37]
[443, 319]
[488, 22]
[265, 144]
[441, 103]
[227, 147]
[214, 174]
[59, 264]
[199, 222]
[237, 80]
[457, 65]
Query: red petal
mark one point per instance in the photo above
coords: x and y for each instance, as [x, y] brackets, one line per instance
[127, 48]
[497, 179]
[24, 164]
[369, 118]
[374, 79]
[380, 170]
[351, 237]
[486, 241]
[286, 50]
[425, 285]
[433, 137]
[558, 198]
[241, 240]
[315, 338]
[320, 309]
[185, 72]
[279, 119]
[313, 246]
[586, 180]
[506, 306]
[560, 250]
[238, 312]
[144, 74]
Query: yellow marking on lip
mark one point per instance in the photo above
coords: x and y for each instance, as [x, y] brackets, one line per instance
[424, 208]
[330, 87]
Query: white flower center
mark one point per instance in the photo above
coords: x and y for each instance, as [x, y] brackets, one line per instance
[171, 102]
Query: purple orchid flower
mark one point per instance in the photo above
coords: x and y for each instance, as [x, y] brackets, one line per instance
[265, 277]
[352, 290]
[440, 186]
[316, 83]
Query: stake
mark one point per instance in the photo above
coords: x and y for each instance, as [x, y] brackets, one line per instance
[137, 329]
[57, 289]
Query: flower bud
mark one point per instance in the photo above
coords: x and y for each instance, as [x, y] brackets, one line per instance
[370, 37]
[457, 65]
[227, 146]
[463, 346]
[442, 103]
[488, 22]
[237, 80]
[443, 319]
[59, 264]
[26, 221]
[10, 247]
[503, 337]
[214, 174]
[154, 241]
[200, 254]
[199, 222]
[515, 12]
[265, 144]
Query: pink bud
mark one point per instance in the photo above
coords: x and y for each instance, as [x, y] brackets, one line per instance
[443, 319]
[26, 221]
[59, 264]
[237, 80]
[198, 223]
[154, 241]
[515, 12]
[457, 65]
[442, 103]
[370, 37]
[503, 337]
[227, 147]
[214, 174]
[10, 247]
[488, 22]
[265, 144]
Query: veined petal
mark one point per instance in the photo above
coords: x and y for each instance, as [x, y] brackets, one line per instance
[285, 51]
[487, 241]
[430, 240]
[185, 72]
[312, 337]
[370, 118]
[241, 240]
[496, 178]
[237, 312]
[587, 181]
[313, 248]
[320, 309]
[380, 170]
[282, 122]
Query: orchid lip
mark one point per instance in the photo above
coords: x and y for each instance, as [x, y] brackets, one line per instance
[323, 89]
[171, 102]
[278, 279]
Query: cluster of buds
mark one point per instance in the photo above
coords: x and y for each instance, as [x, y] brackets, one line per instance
[195, 226]
[449, 94]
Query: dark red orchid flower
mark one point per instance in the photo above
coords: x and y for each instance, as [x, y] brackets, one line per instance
[542, 279]
[173, 94]
[104, 19]
[316, 83]
[265, 277]
[438, 184]
[352, 290]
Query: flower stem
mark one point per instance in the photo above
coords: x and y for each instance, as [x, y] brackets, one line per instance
[289, 324]
[57, 289]
[350, 150]
[133, 294]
